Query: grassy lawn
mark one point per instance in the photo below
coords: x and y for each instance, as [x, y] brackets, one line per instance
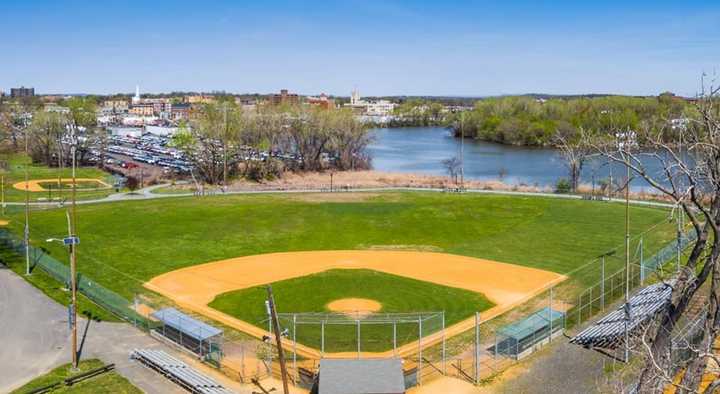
[16, 173]
[127, 243]
[109, 382]
[395, 293]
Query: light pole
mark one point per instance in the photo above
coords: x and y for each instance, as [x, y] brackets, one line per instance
[628, 313]
[462, 151]
[71, 241]
[27, 206]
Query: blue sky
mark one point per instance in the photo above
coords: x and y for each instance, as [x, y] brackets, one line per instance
[381, 47]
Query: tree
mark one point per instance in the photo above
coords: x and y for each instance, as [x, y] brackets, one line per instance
[212, 139]
[574, 153]
[690, 177]
[45, 135]
[452, 166]
[132, 183]
[83, 118]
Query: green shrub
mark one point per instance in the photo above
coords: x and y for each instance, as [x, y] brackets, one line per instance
[563, 186]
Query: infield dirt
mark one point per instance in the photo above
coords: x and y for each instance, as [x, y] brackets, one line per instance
[35, 185]
[506, 285]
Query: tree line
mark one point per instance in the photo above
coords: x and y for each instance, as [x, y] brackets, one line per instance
[47, 134]
[222, 141]
[529, 121]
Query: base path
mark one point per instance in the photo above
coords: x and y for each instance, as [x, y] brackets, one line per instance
[506, 285]
[35, 185]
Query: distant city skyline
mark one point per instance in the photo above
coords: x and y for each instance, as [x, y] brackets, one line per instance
[388, 48]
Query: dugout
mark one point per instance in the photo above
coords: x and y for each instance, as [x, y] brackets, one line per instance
[200, 338]
[521, 338]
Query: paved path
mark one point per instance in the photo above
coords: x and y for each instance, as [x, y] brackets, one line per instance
[33, 330]
[35, 339]
[149, 194]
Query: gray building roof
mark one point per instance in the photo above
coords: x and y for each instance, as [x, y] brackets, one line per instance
[364, 376]
[186, 324]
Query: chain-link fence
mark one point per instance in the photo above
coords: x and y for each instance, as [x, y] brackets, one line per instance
[96, 293]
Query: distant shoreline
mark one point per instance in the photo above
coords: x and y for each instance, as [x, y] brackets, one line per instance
[349, 180]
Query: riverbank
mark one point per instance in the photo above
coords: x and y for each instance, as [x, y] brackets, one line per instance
[349, 180]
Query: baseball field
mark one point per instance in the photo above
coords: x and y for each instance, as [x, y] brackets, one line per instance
[92, 182]
[386, 252]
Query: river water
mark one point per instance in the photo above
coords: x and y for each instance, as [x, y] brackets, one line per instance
[421, 150]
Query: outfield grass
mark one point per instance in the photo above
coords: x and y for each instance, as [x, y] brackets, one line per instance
[109, 382]
[16, 173]
[127, 243]
[312, 293]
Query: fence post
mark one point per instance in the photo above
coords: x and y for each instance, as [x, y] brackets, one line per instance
[550, 313]
[358, 338]
[642, 264]
[322, 338]
[443, 344]
[602, 283]
[395, 338]
[297, 374]
[477, 347]
[419, 368]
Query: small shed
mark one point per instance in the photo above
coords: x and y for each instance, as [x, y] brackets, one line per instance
[192, 334]
[522, 337]
[360, 376]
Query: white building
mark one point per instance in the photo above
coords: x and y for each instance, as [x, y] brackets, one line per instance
[161, 131]
[370, 108]
[136, 97]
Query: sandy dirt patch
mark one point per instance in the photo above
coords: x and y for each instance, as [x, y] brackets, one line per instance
[507, 285]
[355, 307]
[35, 185]
[445, 385]
[4, 222]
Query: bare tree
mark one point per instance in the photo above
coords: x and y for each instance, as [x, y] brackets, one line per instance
[574, 153]
[689, 175]
[452, 166]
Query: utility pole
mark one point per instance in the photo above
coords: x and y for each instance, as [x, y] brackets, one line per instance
[2, 191]
[27, 206]
[73, 248]
[278, 339]
[627, 253]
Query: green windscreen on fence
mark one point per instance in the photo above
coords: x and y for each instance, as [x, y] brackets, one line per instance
[98, 294]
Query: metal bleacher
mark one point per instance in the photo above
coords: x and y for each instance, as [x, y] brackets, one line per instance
[608, 332]
[178, 372]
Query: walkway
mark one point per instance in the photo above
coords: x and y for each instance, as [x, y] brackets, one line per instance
[149, 194]
[35, 336]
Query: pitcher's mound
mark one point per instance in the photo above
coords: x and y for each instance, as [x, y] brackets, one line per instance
[357, 307]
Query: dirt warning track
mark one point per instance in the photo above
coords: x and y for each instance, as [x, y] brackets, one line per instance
[507, 285]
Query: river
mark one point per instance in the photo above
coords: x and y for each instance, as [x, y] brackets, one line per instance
[421, 150]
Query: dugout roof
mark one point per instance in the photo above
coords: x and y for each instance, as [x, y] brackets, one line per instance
[531, 324]
[187, 325]
[361, 376]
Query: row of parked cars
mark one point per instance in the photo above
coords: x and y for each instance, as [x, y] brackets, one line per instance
[151, 150]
